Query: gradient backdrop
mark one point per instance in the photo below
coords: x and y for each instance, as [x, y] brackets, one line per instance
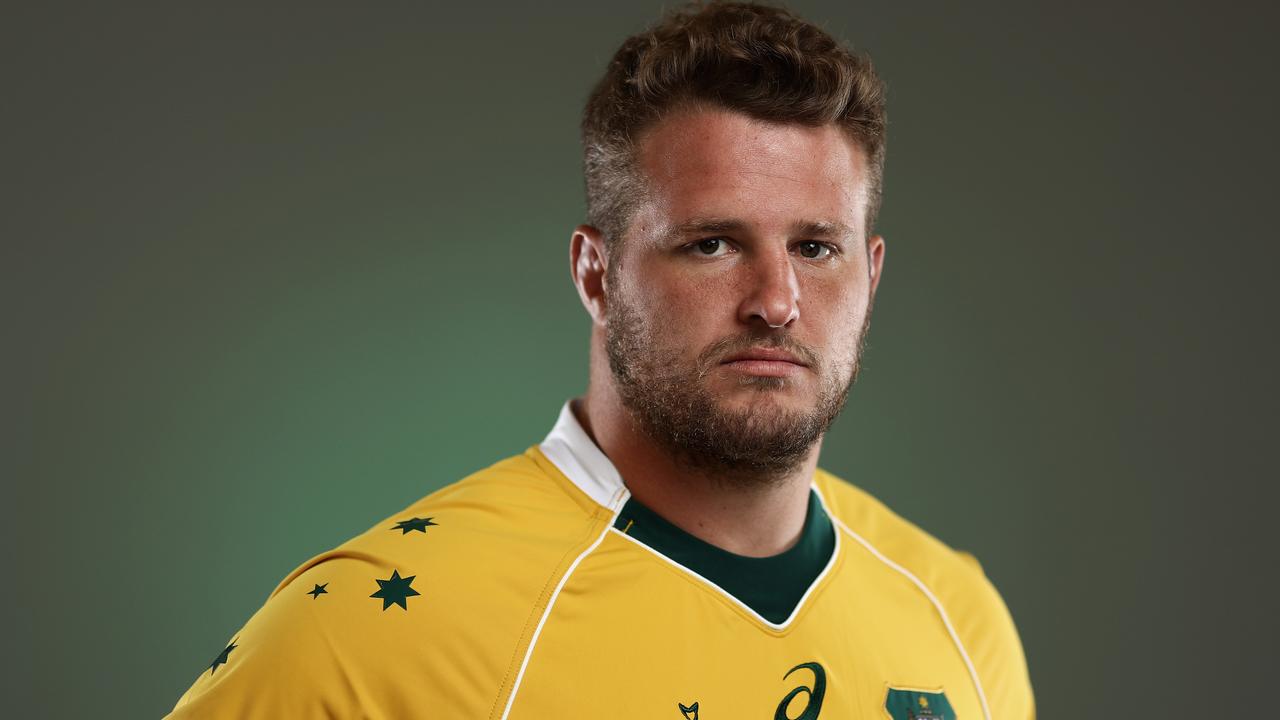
[271, 274]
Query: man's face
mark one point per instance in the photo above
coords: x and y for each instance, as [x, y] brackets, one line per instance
[739, 298]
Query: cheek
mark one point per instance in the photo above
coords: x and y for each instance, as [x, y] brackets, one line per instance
[835, 316]
[687, 313]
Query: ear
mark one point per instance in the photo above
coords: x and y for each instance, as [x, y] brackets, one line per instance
[587, 263]
[875, 261]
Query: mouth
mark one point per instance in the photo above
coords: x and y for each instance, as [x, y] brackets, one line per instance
[766, 362]
[765, 355]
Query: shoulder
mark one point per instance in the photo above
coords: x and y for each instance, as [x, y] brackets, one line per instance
[431, 604]
[506, 512]
[955, 582]
[882, 530]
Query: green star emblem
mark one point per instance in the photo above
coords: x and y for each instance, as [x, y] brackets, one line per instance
[395, 590]
[222, 657]
[419, 524]
[318, 591]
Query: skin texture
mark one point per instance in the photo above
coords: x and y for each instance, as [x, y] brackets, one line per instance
[726, 449]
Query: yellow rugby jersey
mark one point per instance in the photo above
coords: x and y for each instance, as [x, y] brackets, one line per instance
[536, 588]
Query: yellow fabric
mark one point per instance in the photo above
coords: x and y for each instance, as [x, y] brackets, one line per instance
[626, 634]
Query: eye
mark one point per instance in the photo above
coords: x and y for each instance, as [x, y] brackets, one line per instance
[814, 250]
[711, 247]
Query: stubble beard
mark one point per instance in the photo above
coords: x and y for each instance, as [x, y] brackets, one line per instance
[755, 446]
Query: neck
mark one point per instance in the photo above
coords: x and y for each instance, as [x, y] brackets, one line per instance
[760, 520]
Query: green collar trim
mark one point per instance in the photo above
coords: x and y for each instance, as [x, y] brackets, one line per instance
[771, 586]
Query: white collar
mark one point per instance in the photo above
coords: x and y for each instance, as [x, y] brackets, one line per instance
[570, 448]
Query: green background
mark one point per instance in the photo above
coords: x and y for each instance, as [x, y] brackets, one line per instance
[271, 274]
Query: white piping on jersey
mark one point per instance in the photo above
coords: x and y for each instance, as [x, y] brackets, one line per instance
[619, 499]
[973, 673]
[831, 561]
[571, 449]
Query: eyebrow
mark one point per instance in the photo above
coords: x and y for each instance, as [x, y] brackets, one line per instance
[805, 228]
[822, 229]
[706, 226]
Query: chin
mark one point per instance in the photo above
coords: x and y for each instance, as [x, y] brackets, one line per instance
[756, 387]
[767, 395]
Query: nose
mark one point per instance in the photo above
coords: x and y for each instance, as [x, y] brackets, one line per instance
[773, 293]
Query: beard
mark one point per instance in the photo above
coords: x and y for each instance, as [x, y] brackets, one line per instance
[754, 446]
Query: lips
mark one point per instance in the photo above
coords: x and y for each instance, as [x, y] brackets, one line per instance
[765, 355]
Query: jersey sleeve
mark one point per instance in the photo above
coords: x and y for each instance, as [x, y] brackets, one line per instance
[358, 634]
[974, 607]
[426, 614]
[295, 655]
[987, 629]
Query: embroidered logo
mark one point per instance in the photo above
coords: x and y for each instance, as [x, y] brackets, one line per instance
[813, 701]
[903, 704]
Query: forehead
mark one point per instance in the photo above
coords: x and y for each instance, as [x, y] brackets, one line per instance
[721, 163]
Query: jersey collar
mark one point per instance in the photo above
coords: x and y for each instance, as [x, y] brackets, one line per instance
[571, 449]
[800, 569]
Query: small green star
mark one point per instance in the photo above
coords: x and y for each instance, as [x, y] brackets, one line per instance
[419, 524]
[395, 590]
[320, 590]
[222, 657]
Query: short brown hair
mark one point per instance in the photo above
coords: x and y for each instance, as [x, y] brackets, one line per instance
[759, 60]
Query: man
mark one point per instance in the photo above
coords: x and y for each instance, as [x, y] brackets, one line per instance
[671, 548]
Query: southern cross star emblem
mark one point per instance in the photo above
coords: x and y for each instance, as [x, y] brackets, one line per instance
[419, 524]
[222, 657]
[395, 590]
